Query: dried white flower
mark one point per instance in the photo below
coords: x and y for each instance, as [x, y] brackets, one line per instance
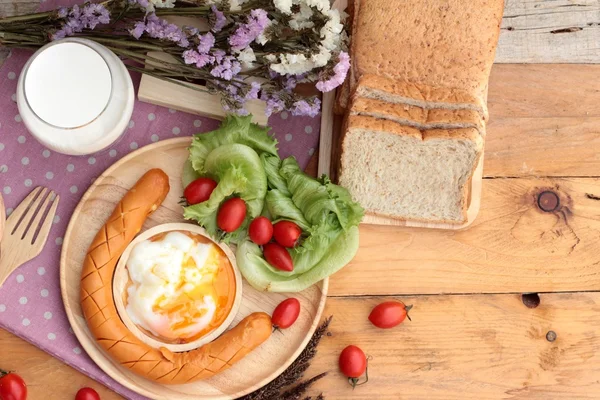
[301, 20]
[321, 5]
[163, 3]
[262, 39]
[321, 58]
[330, 33]
[292, 64]
[247, 57]
[236, 5]
[285, 6]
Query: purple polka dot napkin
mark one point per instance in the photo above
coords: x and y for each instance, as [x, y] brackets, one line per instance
[30, 300]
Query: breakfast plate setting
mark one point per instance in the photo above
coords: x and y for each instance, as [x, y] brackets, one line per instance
[195, 252]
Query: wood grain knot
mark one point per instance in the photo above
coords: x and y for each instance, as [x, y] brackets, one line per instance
[531, 300]
[548, 201]
[551, 336]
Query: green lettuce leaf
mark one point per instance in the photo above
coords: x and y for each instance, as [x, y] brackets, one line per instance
[188, 174]
[205, 213]
[282, 207]
[234, 129]
[317, 198]
[238, 171]
[272, 164]
[260, 275]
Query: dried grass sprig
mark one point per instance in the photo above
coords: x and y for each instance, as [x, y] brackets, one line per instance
[289, 385]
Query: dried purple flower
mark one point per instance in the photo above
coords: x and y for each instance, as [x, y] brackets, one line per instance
[219, 55]
[161, 29]
[253, 92]
[190, 30]
[303, 107]
[227, 68]
[340, 71]
[138, 29]
[199, 60]
[274, 102]
[248, 32]
[88, 17]
[62, 12]
[217, 19]
[207, 41]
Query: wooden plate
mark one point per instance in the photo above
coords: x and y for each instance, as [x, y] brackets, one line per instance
[251, 373]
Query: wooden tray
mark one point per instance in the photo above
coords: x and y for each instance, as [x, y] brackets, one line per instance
[254, 371]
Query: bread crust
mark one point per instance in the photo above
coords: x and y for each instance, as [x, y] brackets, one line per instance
[102, 317]
[420, 95]
[417, 117]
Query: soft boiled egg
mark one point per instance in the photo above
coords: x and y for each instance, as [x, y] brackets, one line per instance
[181, 286]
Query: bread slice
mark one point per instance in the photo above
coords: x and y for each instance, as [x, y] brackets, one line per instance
[440, 43]
[418, 117]
[401, 172]
[420, 95]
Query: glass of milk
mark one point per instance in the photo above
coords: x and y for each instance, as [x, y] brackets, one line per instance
[75, 96]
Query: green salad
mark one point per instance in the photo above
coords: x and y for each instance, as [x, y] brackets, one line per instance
[243, 161]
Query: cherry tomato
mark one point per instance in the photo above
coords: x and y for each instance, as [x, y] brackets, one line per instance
[389, 314]
[286, 233]
[199, 190]
[87, 393]
[278, 257]
[261, 230]
[353, 363]
[286, 313]
[231, 214]
[12, 386]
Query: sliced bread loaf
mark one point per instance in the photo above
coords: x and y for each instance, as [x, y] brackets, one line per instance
[418, 117]
[440, 43]
[401, 172]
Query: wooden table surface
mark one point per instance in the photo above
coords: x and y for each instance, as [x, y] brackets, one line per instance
[472, 336]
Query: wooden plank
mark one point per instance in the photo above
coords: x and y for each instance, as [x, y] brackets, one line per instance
[513, 246]
[543, 147]
[544, 121]
[544, 90]
[193, 99]
[46, 377]
[554, 31]
[157, 91]
[468, 347]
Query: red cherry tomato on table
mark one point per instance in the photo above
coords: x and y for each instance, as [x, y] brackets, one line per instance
[278, 257]
[199, 190]
[87, 394]
[286, 233]
[261, 230]
[353, 364]
[12, 386]
[286, 313]
[231, 214]
[389, 314]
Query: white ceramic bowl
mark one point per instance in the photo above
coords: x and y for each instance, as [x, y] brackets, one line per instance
[75, 96]
[121, 280]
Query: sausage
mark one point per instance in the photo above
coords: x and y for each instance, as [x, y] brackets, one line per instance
[160, 365]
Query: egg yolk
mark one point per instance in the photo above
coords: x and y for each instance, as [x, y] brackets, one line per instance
[181, 286]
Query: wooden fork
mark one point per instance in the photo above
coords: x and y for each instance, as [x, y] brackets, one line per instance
[25, 233]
